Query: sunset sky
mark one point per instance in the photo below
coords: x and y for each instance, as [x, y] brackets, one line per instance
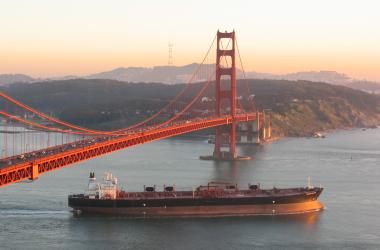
[45, 38]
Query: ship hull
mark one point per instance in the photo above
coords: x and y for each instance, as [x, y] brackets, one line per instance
[219, 210]
[303, 202]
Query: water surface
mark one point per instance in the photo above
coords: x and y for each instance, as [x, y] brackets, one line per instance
[35, 215]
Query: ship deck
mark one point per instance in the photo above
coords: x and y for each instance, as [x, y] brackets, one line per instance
[213, 193]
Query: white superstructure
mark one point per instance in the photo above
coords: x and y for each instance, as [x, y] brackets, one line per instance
[105, 190]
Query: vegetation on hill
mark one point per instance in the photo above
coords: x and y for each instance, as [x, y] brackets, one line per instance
[299, 108]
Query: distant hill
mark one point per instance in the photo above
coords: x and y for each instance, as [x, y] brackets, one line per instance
[162, 74]
[367, 86]
[182, 74]
[312, 76]
[299, 108]
[6, 79]
[331, 77]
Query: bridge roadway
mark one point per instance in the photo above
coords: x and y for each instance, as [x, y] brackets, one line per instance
[19, 168]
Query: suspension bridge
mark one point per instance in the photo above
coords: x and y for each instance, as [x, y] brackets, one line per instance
[34, 143]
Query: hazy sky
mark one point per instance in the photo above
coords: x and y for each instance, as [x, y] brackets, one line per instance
[61, 37]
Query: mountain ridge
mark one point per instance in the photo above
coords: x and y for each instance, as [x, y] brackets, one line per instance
[182, 74]
[299, 108]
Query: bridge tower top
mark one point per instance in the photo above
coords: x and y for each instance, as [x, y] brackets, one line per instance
[225, 89]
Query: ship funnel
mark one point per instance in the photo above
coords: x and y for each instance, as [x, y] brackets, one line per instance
[92, 186]
[92, 175]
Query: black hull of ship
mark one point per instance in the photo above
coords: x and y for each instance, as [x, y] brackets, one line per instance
[217, 206]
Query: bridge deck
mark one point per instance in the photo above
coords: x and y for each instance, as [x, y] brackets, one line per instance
[57, 157]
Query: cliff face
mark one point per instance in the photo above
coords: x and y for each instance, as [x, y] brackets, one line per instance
[302, 108]
[299, 108]
[304, 118]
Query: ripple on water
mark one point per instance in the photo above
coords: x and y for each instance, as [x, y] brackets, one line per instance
[351, 197]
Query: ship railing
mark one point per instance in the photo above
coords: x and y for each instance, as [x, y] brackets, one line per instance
[218, 193]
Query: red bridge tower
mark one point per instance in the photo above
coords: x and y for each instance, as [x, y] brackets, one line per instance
[225, 93]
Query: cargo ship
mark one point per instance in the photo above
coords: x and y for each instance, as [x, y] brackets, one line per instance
[213, 199]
